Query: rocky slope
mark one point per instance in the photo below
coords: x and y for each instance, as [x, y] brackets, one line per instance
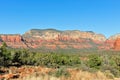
[55, 39]
[114, 41]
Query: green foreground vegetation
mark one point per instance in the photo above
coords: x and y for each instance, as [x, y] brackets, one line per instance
[105, 61]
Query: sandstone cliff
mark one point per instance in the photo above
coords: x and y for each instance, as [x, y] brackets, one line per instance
[114, 41]
[49, 34]
[52, 38]
[117, 44]
[55, 39]
[13, 40]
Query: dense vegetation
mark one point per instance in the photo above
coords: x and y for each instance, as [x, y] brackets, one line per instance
[108, 62]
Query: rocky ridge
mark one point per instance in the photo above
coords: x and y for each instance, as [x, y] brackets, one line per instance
[55, 39]
[13, 40]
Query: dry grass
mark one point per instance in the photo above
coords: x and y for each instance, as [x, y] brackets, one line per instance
[75, 75]
[43, 73]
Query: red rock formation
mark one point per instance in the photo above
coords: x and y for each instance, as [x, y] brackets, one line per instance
[11, 38]
[14, 41]
[51, 34]
[117, 44]
[52, 39]
[114, 42]
[110, 43]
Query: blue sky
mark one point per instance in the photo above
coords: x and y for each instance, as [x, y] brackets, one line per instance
[101, 16]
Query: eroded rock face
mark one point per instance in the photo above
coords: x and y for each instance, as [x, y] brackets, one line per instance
[55, 39]
[52, 38]
[117, 44]
[114, 42]
[13, 40]
[49, 34]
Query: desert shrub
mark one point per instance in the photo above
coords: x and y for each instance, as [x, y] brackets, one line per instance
[115, 72]
[117, 61]
[1, 61]
[16, 57]
[111, 70]
[27, 58]
[116, 66]
[60, 72]
[109, 74]
[94, 61]
[55, 60]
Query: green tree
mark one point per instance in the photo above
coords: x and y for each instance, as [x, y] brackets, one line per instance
[5, 54]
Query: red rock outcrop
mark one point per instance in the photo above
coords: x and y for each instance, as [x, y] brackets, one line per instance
[11, 38]
[51, 38]
[109, 44]
[14, 41]
[55, 39]
[114, 42]
[117, 44]
[51, 34]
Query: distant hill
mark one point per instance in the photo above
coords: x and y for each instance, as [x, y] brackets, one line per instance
[56, 39]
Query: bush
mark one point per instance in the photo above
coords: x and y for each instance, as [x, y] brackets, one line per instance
[109, 74]
[94, 61]
[60, 72]
[5, 55]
